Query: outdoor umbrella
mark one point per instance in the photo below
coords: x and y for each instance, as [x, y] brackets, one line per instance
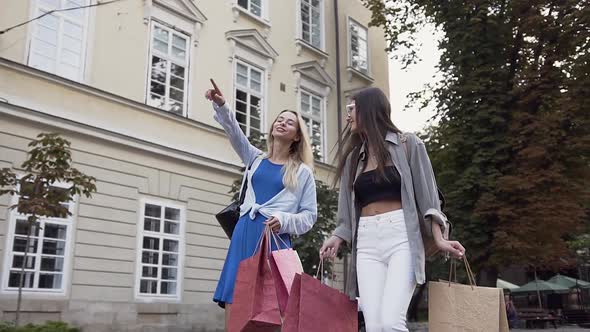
[569, 282]
[541, 286]
[506, 285]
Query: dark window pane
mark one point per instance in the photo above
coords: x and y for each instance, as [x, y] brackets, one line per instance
[169, 273]
[170, 259]
[51, 247]
[50, 281]
[13, 279]
[177, 70]
[172, 214]
[159, 64]
[241, 96]
[55, 231]
[255, 101]
[148, 286]
[171, 227]
[17, 261]
[153, 210]
[149, 257]
[149, 271]
[22, 227]
[52, 264]
[171, 245]
[177, 82]
[243, 3]
[168, 288]
[255, 123]
[152, 225]
[157, 88]
[177, 95]
[20, 243]
[151, 243]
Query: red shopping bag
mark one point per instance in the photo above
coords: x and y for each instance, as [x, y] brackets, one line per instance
[284, 264]
[255, 306]
[315, 307]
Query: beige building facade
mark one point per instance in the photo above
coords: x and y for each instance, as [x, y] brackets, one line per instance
[124, 81]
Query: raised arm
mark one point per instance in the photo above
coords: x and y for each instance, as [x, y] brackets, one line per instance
[226, 118]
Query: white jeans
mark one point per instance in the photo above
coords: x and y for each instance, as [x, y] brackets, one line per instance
[385, 271]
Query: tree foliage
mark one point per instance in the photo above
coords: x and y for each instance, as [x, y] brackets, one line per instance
[511, 149]
[48, 163]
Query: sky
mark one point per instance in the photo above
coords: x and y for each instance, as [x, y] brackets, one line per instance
[402, 82]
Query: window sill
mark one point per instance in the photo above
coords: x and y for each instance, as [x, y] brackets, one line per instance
[355, 72]
[238, 10]
[37, 291]
[302, 44]
[158, 308]
[156, 299]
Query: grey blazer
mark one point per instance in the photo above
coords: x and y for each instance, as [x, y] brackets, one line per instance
[420, 202]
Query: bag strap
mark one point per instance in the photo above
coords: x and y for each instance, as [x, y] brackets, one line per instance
[470, 275]
[245, 184]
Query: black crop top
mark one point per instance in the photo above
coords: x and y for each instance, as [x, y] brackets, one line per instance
[369, 188]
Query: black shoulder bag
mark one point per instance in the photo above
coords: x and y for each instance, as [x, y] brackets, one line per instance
[229, 216]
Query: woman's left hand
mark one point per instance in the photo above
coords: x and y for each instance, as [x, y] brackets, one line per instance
[453, 247]
[274, 223]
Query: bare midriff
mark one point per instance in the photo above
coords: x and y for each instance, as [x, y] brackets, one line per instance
[380, 207]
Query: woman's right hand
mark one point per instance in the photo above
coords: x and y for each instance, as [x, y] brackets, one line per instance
[215, 95]
[330, 247]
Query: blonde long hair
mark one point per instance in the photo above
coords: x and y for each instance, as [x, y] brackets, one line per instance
[299, 152]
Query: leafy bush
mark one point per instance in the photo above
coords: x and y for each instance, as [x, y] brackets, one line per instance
[47, 327]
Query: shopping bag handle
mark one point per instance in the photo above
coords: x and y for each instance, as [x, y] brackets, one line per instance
[320, 271]
[470, 276]
[275, 236]
[265, 234]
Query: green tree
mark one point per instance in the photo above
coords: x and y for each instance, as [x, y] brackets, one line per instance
[512, 144]
[49, 162]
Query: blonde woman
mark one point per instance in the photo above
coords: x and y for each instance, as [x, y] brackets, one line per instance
[281, 189]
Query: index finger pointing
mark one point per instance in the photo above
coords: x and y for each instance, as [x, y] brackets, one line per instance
[215, 86]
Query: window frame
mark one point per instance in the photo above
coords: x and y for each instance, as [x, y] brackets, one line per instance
[350, 22]
[261, 95]
[69, 222]
[322, 118]
[169, 61]
[84, 23]
[180, 237]
[300, 4]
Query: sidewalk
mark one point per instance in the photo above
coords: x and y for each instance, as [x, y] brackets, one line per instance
[560, 329]
[423, 327]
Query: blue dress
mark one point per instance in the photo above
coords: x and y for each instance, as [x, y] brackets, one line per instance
[267, 181]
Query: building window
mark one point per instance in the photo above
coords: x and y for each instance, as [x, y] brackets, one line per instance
[160, 250]
[252, 6]
[47, 254]
[359, 51]
[312, 111]
[249, 98]
[168, 77]
[58, 41]
[311, 22]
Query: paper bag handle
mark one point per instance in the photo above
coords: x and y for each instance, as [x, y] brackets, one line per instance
[470, 276]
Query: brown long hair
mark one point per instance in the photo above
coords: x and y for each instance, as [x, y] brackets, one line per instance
[299, 153]
[373, 120]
